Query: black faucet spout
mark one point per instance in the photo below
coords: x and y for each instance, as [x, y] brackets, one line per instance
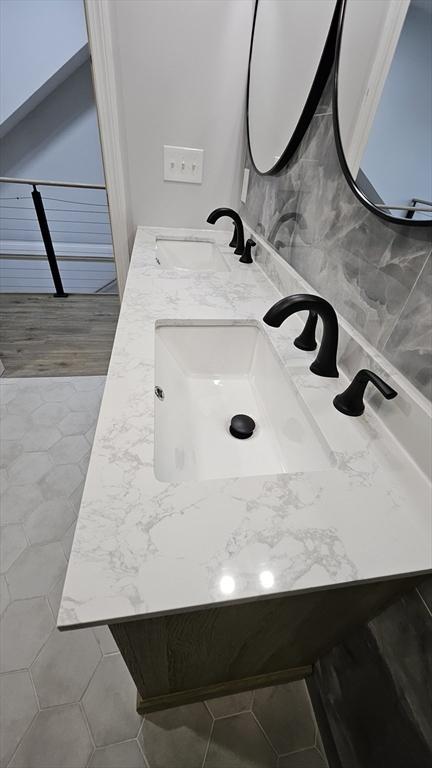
[238, 238]
[325, 361]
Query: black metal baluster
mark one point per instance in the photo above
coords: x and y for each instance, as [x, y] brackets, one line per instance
[46, 237]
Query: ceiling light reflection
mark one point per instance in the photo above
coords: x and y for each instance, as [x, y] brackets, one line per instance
[227, 585]
[267, 579]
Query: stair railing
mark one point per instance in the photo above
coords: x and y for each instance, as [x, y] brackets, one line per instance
[43, 222]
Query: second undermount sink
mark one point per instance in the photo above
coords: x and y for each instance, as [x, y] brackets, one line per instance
[205, 375]
[197, 255]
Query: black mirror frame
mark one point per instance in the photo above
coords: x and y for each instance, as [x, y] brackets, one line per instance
[341, 155]
[315, 93]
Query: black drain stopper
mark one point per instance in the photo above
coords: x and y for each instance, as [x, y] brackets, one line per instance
[242, 426]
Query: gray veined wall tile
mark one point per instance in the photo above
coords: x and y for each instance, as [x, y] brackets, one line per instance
[403, 636]
[366, 267]
[409, 345]
[425, 591]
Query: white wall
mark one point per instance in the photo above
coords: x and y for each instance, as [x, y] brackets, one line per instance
[181, 67]
[37, 37]
[365, 24]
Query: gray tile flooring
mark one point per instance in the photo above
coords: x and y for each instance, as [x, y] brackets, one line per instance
[67, 699]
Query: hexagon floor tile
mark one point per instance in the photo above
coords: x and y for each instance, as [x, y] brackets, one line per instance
[238, 742]
[12, 543]
[109, 703]
[105, 639]
[29, 468]
[69, 449]
[40, 438]
[77, 423]
[124, 755]
[18, 706]
[68, 698]
[9, 451]
[176, 738]
[61, 481]
[36, 570]
[49, 521]
[285, 713]
[230, 705]
[306, 758]
[4, 594]
[58, 737]
[17, 501]
[25, 627]
[64, 667]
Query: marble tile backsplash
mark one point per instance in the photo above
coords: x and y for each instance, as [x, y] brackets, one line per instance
[377, 274]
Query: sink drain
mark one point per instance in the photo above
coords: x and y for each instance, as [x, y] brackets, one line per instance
[242, 426]
[160, 394]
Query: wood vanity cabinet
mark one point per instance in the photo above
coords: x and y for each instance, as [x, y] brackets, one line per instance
[186, 657]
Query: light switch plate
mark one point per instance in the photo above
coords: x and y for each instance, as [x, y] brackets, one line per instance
[183, 164]
[243, 195]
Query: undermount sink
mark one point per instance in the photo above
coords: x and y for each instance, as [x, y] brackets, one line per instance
[205, 375]
[197, 255]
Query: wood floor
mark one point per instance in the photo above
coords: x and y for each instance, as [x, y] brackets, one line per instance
[45, 336]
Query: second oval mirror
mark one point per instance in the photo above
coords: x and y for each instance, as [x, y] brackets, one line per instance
[292, 52]
[383, 95]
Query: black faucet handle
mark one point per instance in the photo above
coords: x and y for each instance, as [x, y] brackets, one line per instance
[246, 258]
[350, 402]
[307, 340]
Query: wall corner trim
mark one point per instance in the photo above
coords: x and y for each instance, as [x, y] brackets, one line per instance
[101, 49]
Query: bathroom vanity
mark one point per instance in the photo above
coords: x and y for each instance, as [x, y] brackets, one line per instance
[222, 565]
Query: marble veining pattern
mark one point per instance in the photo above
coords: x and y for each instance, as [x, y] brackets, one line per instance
[374, 272]
[143, 547]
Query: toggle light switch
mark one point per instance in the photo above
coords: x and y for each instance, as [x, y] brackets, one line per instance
[183, 164]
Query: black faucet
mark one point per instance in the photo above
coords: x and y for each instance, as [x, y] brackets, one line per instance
[325, 361]
[350, 401]
[238, 238]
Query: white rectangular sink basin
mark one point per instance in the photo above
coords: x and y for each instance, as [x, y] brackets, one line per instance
[205, 375]
[197, 255]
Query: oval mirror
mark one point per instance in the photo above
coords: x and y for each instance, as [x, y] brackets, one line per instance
[383, 105]
[292, 52]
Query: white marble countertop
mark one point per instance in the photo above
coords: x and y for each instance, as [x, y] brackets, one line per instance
[144, 548]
